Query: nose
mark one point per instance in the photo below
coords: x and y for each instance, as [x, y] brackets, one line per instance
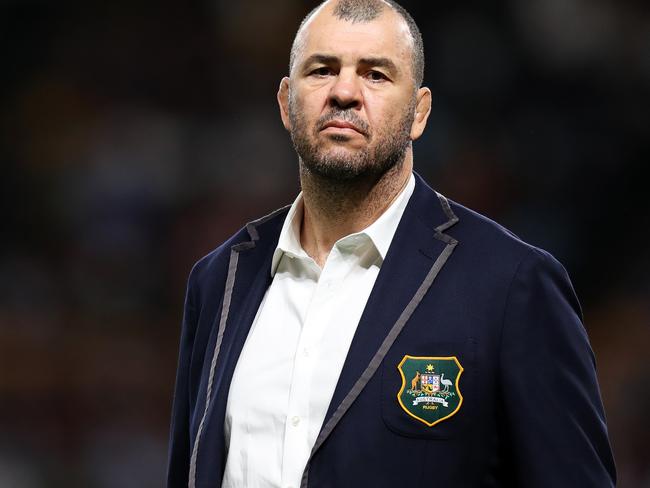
[346, 91]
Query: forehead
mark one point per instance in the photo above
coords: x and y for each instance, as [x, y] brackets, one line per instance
[386, 36]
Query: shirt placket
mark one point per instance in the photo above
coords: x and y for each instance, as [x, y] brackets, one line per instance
[296, 446]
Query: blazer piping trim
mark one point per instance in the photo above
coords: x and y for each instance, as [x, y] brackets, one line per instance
[372, 367]
[448, 212]
[230, 282]
[251, 227]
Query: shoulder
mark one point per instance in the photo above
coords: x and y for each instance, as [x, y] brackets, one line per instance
[497, 261]
[492, 242]
[475, 227]
[480, 240]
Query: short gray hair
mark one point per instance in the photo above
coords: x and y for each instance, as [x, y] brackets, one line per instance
[365, 11]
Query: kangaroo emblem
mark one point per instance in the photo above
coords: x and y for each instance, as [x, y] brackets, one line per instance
[414, 381]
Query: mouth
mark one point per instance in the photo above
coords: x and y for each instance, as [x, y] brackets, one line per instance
[341, 126]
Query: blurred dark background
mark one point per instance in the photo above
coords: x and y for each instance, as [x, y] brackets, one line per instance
[135, 137]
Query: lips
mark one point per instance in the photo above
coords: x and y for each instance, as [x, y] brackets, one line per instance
[342, 124]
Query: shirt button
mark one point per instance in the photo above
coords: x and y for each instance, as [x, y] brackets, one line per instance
[295, 421]
[305, 352]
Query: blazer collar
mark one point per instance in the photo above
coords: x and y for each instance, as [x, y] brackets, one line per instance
[431, 209]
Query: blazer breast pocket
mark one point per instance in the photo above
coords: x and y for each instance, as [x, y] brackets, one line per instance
[428, 391]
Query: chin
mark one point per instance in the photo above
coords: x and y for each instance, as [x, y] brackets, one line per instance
[340, 173]
[342, 167]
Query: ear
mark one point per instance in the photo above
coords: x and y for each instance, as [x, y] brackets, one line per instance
[422, 111]
[283, 102]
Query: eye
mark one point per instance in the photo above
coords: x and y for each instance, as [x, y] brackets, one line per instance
[376, 76]
[322, 71]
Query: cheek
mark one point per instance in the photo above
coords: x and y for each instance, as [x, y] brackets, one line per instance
[388, 110]
[306, 110]
[312, 99]
[383, 112]
[377, 108]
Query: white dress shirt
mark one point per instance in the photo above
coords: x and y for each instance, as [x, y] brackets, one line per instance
[288, 369]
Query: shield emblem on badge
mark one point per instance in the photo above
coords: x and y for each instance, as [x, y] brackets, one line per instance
[430, 382]
[430, 389]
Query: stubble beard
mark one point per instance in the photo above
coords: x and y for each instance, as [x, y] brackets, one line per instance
[340, 165]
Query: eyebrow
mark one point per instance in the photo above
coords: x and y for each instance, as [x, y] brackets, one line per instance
[320, 58]
[379, 62]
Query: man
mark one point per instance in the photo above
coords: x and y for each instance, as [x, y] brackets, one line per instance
[376, 333]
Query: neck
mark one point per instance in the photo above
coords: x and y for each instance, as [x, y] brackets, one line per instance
[334, 209]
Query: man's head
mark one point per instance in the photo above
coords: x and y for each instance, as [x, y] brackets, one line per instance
[366, 11]
[352, 103]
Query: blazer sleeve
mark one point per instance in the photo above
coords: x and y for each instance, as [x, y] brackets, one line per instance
[179, 439]
[553, 414]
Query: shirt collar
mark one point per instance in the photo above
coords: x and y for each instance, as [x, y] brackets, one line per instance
[380, 232]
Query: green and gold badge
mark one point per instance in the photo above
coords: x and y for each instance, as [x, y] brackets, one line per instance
[429, 389]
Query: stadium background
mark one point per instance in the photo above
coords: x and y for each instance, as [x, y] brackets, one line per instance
[135, 137]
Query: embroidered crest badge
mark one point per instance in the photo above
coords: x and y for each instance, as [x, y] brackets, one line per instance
[430, 391]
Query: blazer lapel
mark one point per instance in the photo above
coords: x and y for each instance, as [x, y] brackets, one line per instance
[249, 276]
[418, 251]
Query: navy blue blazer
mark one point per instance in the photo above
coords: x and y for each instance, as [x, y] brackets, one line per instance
[453, 284]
